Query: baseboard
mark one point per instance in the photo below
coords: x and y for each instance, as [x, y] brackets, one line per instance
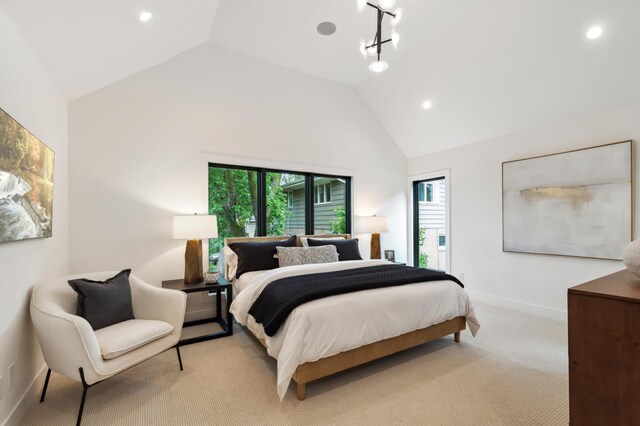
[29, 397]
[516, 305]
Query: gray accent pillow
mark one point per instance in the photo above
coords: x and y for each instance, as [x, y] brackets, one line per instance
[290, 256]
[104, 303]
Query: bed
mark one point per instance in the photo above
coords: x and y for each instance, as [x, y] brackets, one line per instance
[335, 333]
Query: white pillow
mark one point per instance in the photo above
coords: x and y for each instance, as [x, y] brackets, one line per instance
[231, 260]
[305, 240]
[290, 256]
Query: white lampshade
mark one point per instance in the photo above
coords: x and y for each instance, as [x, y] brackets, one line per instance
[373, 224]
[360, 5]
[195, 227]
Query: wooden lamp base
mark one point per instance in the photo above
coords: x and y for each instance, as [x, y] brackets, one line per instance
[375, 245]
[193, 262]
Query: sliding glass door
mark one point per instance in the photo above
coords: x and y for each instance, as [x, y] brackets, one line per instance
[430, 223]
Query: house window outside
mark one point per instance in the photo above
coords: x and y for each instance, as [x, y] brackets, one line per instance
[425, 192]
[252, 202]
[442, 242]
[322, 194]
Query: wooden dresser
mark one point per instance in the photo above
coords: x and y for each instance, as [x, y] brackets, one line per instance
[604, 351]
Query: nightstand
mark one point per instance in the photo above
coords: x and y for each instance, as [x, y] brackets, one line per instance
[219, 287]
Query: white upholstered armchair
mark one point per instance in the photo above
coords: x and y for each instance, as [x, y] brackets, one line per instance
[71, 347]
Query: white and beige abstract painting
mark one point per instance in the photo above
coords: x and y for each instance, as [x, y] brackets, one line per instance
[576, 203]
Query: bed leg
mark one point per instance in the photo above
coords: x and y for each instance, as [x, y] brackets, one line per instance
[301, 391]
[456, 337]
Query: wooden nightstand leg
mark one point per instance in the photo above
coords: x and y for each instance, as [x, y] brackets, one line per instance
[456, 337]
[301, 391]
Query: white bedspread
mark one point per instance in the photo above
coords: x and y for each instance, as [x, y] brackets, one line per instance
[335, 324]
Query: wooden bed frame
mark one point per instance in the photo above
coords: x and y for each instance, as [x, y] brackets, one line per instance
[324, 367]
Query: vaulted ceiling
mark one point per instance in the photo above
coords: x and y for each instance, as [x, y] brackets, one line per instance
[489, 68]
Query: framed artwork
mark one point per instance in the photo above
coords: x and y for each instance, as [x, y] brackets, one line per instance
[576, 203]
[390, 255]
[26, 183]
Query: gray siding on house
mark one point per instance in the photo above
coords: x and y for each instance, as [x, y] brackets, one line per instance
[295, 223]
[324, 214]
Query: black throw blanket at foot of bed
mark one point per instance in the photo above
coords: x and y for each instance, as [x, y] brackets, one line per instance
[279, 298]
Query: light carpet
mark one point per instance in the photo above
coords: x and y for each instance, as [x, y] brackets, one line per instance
[513, 373]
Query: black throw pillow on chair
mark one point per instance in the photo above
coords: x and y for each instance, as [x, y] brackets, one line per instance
[104, 303]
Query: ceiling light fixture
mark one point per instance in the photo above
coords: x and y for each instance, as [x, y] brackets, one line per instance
[145, 16]
[378, 66]
[427, 104]
[594, 33]
[373, 47]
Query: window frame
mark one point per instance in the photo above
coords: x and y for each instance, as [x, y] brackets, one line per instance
[326, 190]
[309, 179]
[423, 189]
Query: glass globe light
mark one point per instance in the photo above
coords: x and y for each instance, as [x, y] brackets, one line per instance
[395, 39]
[396, 20]
[363, 49]
[378, 66]
[386, 4]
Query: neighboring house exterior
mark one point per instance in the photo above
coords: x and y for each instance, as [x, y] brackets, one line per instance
[432, 216]
[328, 196]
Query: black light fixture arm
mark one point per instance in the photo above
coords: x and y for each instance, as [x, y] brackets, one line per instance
[377, 39]
[375, 6]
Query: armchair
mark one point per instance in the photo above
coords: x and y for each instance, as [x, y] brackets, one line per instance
[72, 348]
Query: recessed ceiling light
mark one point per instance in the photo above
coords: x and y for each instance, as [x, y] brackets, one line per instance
[326, 28]
[594, 33]
[145, 16]
[427, 104]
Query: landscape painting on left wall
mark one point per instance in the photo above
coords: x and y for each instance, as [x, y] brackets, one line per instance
[26, 183]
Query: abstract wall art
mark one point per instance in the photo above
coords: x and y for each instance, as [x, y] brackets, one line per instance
[577, 203]
[26, 183]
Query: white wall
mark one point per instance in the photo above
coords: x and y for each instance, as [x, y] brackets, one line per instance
[476, 224]
[29, 96]
[139, 150]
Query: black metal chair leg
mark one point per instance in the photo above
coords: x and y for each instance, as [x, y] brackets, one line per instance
[179, 357]
[46, 384]
[85, 386]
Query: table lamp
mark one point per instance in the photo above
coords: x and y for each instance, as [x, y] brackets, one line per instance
[374, 225]
[194, 229]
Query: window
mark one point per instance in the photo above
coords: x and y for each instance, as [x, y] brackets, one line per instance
[430, 223]
[425, 192]
[250, 201]
[322, 194]
[330, 205]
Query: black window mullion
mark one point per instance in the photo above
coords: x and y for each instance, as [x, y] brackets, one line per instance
[347, 205]
[308, 200]
[261, 220]
[416, 224]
